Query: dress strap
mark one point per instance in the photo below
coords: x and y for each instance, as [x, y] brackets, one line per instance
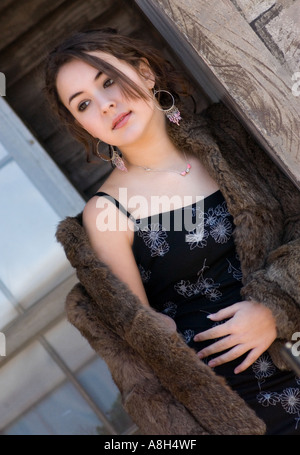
[117, 203]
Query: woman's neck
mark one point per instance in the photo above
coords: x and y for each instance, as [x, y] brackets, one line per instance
[161, 155]
[155, 151]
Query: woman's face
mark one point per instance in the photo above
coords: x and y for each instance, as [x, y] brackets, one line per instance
[98, 104]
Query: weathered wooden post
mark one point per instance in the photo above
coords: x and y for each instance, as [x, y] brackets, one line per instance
[230, 60]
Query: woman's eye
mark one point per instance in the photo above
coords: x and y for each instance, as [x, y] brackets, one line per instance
[82, 106]
[108, 82]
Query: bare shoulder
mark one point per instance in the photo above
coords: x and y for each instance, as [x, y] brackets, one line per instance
[111, 237]
[90, 214]
[105, 223]
[94, 205]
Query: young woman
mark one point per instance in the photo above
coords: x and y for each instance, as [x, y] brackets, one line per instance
[166, 220]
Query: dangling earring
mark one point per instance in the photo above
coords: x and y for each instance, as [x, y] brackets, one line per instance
[115, 157]
[173, 113]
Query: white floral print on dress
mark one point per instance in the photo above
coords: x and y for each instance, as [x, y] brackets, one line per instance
[170, 309]
[154, 236]
[188, 335]
[204, 286]
[145, 274]
[221, 231]
[214, 222]
[289, 398]
[263, 367]
[236, 273]
[268, 398]
[198, 237]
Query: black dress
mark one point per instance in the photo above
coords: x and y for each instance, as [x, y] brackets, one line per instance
[190, 268]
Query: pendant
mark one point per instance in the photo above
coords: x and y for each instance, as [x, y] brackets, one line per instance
[118, 162]
[186, 171]
[174, 115]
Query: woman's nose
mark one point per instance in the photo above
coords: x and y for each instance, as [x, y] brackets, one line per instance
[106, 104]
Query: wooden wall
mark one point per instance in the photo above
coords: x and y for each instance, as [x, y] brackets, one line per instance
[277, 24]
[249, 53]
[29, 29]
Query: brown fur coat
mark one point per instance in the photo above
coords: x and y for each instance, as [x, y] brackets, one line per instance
[165, 388]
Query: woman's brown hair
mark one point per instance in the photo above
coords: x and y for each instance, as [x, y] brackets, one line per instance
[122, 47]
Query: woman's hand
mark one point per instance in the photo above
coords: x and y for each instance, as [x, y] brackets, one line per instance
[250, 327]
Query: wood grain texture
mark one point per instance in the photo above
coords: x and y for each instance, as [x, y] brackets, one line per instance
[5, 3]
[249, 79]
[30, 49]
[23, 15]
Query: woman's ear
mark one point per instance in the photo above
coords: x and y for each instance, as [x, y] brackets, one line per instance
[147, 73]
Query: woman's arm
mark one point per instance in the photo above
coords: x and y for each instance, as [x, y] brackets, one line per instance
[113, 246]
[112, 243]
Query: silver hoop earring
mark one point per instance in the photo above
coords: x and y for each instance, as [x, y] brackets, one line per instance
[115, 157]
[172, 113]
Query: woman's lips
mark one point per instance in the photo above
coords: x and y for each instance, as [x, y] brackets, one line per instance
[121, 120]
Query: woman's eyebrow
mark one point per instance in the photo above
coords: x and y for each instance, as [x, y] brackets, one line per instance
[80, 93]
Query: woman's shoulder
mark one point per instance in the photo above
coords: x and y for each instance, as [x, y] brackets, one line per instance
[103, 200]
[110, 187]
[104, 218]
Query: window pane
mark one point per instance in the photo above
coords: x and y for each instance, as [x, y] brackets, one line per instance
[70, 345]
[63, 412]
[95, 376]
[25, 379]
[97, 380]
[32, 262]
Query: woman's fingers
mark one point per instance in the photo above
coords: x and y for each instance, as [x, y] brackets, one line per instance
[228, 356]
[249, 360]
[225, 343]
[247, 328]
[225, 313]
[210, 334]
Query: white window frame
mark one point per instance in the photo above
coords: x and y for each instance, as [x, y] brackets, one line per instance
[37, 164]
[59, 193]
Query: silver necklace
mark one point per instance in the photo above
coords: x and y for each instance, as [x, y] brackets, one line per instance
[183, 173]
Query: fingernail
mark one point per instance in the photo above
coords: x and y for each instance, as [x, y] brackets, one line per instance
[211, 363]
[200, 356]
[209, 316]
